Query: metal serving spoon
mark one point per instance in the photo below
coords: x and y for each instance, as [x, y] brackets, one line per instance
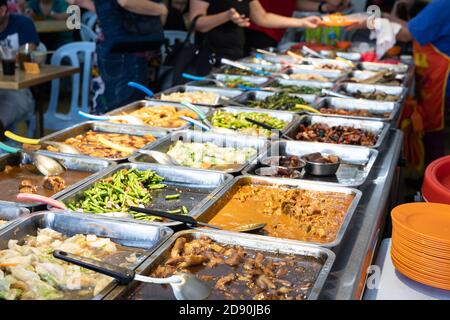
[45, 165]
[185, 286]
[61, 146]
[128, 118]
[254, 227]
[197, 78]
[160, 157]
[201, 115]
[335, 94]
[267, 127]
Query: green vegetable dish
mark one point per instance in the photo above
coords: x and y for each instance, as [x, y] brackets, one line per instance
[296, 89]
[279, 101]
[235, 82]
[228, 120]
[127, 187]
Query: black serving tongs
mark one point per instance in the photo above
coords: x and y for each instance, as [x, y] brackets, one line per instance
[268, 127]
[185, 286]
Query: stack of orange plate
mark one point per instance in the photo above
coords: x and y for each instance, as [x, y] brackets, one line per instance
[421, 243]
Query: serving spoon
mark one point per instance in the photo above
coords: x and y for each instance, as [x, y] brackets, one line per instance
[197, 78]
[267, 127]
[254, 227]
[160, 157]
[45, 165]
[61, 146]
[335, 94]
[185, 286]
[127, 117]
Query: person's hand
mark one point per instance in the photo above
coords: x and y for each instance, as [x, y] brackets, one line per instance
[164, 14]
[239, 19]
[309, 22]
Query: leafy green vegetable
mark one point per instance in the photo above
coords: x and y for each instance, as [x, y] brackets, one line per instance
[279, 101]
[296, 89]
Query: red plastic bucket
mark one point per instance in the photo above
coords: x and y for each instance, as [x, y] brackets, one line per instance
[436, 184]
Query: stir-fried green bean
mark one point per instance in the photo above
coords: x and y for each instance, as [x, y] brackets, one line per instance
[279, 101]
[234, 83]
[223, 119]
[127, 187]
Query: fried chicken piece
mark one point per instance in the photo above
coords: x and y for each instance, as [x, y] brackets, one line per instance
[235, 258]
[191, 261]
[223, 281]
[178, 247]
[54, 183]
[26, 186]
[265, 283]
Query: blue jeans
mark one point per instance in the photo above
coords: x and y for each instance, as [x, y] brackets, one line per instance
[116, 70]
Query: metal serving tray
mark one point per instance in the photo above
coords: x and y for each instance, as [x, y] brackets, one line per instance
[99, 126]
[344, 65]
[11, 213]
[353, 173]
[332, 75]
[145, 238]
[195, 187]
[362, 75]
[303, 83]
[246, 241]
[256, 81]
[376, 107]
[262, 95]
[145, 104]
[380, 127]
[228, 93]
[374, 66]
[351, 88]
[216, 203]
[289, 117]
[235, 141]
[70, 162]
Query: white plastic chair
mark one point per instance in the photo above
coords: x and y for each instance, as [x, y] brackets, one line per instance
[71, 52]
[89, 19]
[87, 34]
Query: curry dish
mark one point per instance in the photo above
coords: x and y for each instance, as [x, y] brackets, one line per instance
[234, 272]
[161, 116]
[295, 214]
[107, 145]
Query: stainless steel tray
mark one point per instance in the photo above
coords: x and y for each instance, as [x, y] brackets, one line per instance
[303, 83]
[380, 127]
[195, 187]
[215, 204]
[256, 81]
[289, 117]
[375, 107]
[332, 75]
[98, 126]
[262, 95]
[353, 173]
[235, 141]
[11, 213]
[351, 88]
[362, 75]
[374, 66]
[144, 238]
[246, 241]
[227, 93]
[70, 162]
[320, 62]
[145, 104]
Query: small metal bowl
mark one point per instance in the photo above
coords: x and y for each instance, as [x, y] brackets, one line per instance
[277, 162]
[319, 168]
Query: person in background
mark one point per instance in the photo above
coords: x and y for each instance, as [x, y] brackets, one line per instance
[15, 31]
[429, 31]
[121, 55]
[224, 23]
[258, 37]
[177, 18]
[17, 6]
[50, 10]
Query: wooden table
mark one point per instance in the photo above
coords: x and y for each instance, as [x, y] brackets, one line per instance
[22, 80]
[51, 26]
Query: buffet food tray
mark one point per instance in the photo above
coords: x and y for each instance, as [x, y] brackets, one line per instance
[376, 107]
[365, 74]
[213, 206]
[374, 66]
[143, 238]
[68, 161]
[320, 62]
[247, 241]
[255, 80]
[225, 92]
[10, 213]
[353, 173]
[351, 88]
[146, 103]
[262, 95]
[106, 127]
[289, 117]
[235, 141]
[332, 75]
[195, 187]
[382, 128]
[302, 83]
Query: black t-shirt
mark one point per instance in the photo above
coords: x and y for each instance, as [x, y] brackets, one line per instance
[227, 40]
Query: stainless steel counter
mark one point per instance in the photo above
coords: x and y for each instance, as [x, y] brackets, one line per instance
[355, 253]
